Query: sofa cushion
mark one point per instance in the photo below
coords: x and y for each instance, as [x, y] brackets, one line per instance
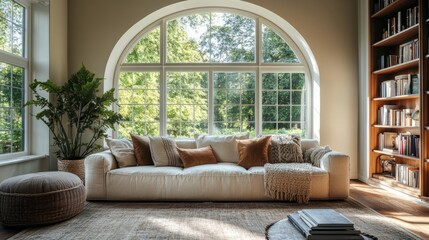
[285, 149]
[210, 182]
[253, 152]
[224, 146]
[186, 143]
[195, 157]
[123, 151]
[142, 149]
[164, 152]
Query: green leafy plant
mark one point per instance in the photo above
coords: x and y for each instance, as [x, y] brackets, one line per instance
[76, 115]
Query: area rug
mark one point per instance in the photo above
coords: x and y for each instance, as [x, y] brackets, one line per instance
[199, 220]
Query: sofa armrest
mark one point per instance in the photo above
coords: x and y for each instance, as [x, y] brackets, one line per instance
[337, 165]
[96, 167]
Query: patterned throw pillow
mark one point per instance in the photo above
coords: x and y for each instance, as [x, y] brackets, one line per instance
[313, 155]
[164, 152]
[285, 149]
[123, 151]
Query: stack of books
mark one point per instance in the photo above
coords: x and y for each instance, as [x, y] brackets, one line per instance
[324, 224]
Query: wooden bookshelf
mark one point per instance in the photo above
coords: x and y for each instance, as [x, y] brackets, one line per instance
[387, 38]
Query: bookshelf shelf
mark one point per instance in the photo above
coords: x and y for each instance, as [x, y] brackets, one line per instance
[396, 127]
[398, 67]
[396, 155]
[402, 97]
[411, 42]
[393, 7]
[399, 38]
[392, 183]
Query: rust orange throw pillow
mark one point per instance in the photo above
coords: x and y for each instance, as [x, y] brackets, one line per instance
[142, 150]
[195, 157]
[253, 152]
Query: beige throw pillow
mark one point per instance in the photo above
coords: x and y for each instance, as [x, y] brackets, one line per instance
[224, 146]
[123, 151]
[285, 149]
[164, 152]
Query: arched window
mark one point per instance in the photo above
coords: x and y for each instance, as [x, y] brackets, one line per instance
[215, 71]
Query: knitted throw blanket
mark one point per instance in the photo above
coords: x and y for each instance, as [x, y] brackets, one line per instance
[288, 181]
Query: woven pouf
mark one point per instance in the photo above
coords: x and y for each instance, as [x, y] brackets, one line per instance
[40, 198]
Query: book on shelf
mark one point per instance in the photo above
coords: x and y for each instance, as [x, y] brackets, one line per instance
[402, 85]
[380, 4]
[385, 115]
[394, 115]
[400, 21]
[388, 61]
[408, 144]
[407, 175]
[415, 84]
[387, 142]
[408, 51]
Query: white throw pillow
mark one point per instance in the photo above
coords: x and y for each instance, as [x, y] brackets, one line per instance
[164, 152]
[123, 151]
[224, 146]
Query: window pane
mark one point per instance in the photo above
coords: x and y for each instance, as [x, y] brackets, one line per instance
[11, 108]
[187, 103]
[187, 39]
[12, 27]
[275, 49]
[147, 50]
[216, 37]
[234, 104]
[233, 38]
[17, 40]
[288, 113]
[138, 100]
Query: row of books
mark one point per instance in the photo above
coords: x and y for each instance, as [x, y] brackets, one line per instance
[394, 115]
[323, 224]
[386, 61]
[408, 51]
[401, 21]
[407, 175]
[402, 85]
[380, 4]
[408, 144]
[405, 144]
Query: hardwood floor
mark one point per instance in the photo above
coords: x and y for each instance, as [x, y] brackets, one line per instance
[409, 214]
[403, 211]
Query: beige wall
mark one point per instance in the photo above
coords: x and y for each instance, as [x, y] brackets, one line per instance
[330, 27]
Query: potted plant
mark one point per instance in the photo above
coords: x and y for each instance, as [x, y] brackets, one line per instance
[76, 116]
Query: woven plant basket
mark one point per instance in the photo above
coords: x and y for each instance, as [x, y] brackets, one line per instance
[73, 166]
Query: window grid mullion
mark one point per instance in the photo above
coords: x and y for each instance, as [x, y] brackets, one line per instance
[211, 103]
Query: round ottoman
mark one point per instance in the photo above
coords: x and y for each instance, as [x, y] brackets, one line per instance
[40, 198]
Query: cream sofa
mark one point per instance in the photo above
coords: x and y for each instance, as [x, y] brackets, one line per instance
[211, 182]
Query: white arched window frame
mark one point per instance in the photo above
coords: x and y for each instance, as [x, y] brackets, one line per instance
[159, 18]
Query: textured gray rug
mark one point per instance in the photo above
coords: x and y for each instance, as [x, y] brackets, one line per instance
[199, 220]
